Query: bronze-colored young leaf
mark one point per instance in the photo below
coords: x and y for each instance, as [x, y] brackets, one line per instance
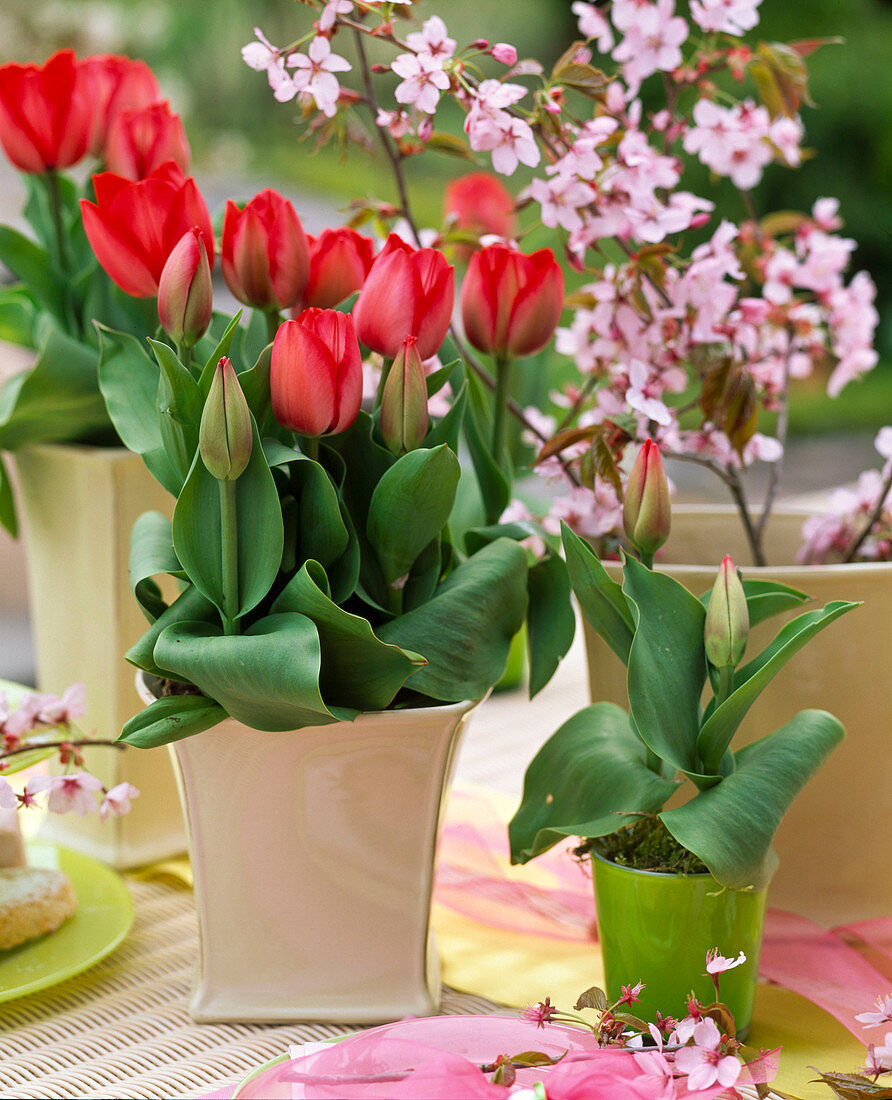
[852, 1086]
[565, 439]
[594, 997]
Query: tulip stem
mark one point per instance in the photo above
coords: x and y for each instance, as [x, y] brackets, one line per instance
[229, 538]
[184, 354]
[55, 197]
[725, 684]
[646, 560]
[503, 374]
[273, 320]
[311, 447]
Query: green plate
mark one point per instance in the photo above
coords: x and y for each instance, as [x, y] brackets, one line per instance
[103, 918]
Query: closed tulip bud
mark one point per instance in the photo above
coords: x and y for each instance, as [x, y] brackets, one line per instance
[646, 509]
[404, 416]
[510, 302]
[225, 437]
[727, 618]
[185, 294]
[316, 373]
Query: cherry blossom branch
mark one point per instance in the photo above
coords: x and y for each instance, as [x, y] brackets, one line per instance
[774, 477]
[41, 745]
[859, 541]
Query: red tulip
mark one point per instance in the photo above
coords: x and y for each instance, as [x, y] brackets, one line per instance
[340, 259]
[408, 292]
[185, 293]
[264, 252]
[46, 115]
[115, 84]
[135, 225]
[141, 139]
[480, 203]
[511, 303]
[316, 373]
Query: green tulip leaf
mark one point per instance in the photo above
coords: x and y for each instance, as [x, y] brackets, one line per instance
[129, 382]
[220, 351]
[180, 405]
[151, 555]
[358, 670]
[750, 681]
[409, 507]
[267, 678]
[465, 629]
[551, 622]
[7, 503]
[731, 825]
[765, 599]
[495, 488]
[601, 599]
[667, 664]
[171, 719]
[197, 531]
[448, 429]
[255, 385]
[438, 378]
[57, 400]
[343, 575]
[189, 606]
[585, 776]
[33, 266]
[424, 576]
[323, 536]
[17, 316]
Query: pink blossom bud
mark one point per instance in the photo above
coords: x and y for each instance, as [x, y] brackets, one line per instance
[727, 619]
[480, 44]
[185, 294]
[225, 437]
[404, 417]
[504, 53]
[646, 509]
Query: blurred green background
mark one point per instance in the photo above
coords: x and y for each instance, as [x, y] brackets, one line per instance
[237, 128]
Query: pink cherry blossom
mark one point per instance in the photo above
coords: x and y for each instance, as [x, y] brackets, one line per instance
[883, 1014]
[725, 16]
[432, 40]
[651, 43]
[704, 1063]
[504, 53]
[67, 793]
[879, 1058]
[718, 964]
[315, 75]
[826, 214]
[117, 801]
[423, 80]
[331, 11]
[61, 712]
[263, 56]
[593, 24]
[8, 800]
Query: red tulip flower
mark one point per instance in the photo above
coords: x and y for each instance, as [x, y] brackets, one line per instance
[511, 303]
[264, 252]
[46, 116]
[115, 84]
[408, 292]
[340, 259]
[316, 373]
[141, 139]
[480, 203]
[135, 225]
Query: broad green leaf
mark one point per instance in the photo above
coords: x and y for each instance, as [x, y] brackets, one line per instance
[197, 531]
[765, 598]
[267, 678]
[180, 405]
[475, 537]
[322, 534]
[438, 379]
[7, 503]
[57, 400]
[410, 506]
[448, 429]
[731, 825]
[151, 555]
[358, 670]
[255, 385]
[189, 606]
[601, 599]
[465, 630]
[424, 576]
[551, 622]
[222, 349]
[585, 775]
[495, 488]
[343, 575]
[667, 664]
[34, 267]
[128, 378]
[17, 316]
[171, 719]
[750, 680]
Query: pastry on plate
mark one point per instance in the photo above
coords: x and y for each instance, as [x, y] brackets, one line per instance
[33, 901]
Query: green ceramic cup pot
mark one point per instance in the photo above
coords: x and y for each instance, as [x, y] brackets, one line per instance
[657, 928]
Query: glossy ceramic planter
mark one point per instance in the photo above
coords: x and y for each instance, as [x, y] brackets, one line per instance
[79, 505]
[828, 852]
[658, 928]
[313, 857]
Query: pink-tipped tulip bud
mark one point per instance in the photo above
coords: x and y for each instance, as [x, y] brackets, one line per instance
[408, 292]
[727, 619]
[511, 303]
[225, 437]
[316, 373]
[404, 416]
[646, 509]
[185, 293]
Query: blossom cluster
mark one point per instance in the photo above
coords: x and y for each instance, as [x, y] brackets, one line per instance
[27, 729]
[688, 344]
[879, 1055]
